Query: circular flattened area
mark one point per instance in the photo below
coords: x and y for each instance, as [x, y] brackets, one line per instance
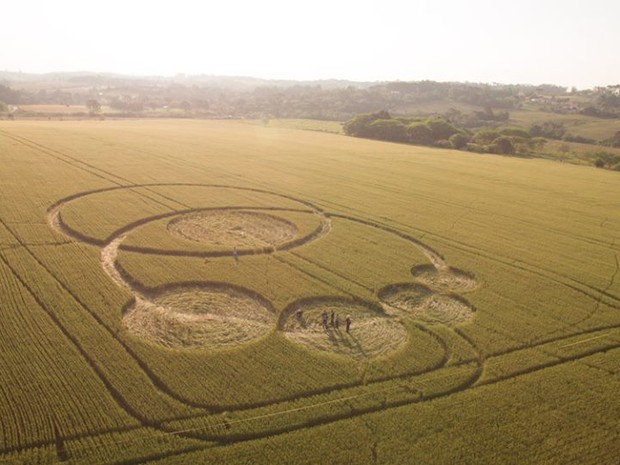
[193, 317]
[419, 302]
[372, 333]
[444, 279]
[445, 309]
[406, 296]
[233, 228]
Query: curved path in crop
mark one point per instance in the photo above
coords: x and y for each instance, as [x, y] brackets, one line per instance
[148, 303]
[154, 312]
[437, 280]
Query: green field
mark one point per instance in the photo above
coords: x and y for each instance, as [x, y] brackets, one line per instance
[163, 285]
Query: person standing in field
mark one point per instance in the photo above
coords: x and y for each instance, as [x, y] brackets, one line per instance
[324, 319]
[348, 322]
[332, 318]
[337, 321]
[235, 253]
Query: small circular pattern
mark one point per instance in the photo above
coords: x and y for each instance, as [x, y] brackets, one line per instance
[422, 303]
[445, 309]
[444, 279]
[404, 296]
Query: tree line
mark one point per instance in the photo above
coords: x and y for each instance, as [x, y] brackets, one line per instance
[444, 132]
[436, 131]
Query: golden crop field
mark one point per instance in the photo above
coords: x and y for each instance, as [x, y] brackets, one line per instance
[181, 292]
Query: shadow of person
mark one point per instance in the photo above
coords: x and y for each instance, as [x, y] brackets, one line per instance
[357, 344]
[335, 337]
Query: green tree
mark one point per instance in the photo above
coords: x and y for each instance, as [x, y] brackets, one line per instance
[607, 101]
[606, 159]
[548, 129]
[485, 136]
[458, 140]
[440, 129]
[388, 129]
[419, 133]
[359, 125]
[503, 145]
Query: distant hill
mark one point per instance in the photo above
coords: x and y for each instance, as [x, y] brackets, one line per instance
[207, 96]
[236, 83]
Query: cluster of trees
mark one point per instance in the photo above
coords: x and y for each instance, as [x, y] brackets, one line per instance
[442, 131]
[476, 119]
[503, 96]
[438, 132]
[605, 103]
[607, 160]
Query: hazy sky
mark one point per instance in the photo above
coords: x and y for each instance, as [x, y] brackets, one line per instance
[569, 42]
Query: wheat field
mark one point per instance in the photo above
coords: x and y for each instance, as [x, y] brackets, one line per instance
[178, 292]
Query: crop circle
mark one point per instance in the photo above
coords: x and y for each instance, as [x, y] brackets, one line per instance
[445, 309]
[406, 296]
[444, 279]
[233, 228]
[372, 332]
[422, 304]
[200, 316]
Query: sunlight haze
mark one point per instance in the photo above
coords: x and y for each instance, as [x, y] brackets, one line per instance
[569, 43]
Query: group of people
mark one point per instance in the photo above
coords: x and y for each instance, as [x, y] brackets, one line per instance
[335, 320]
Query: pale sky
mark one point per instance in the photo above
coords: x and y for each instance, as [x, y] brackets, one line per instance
[564, 42]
